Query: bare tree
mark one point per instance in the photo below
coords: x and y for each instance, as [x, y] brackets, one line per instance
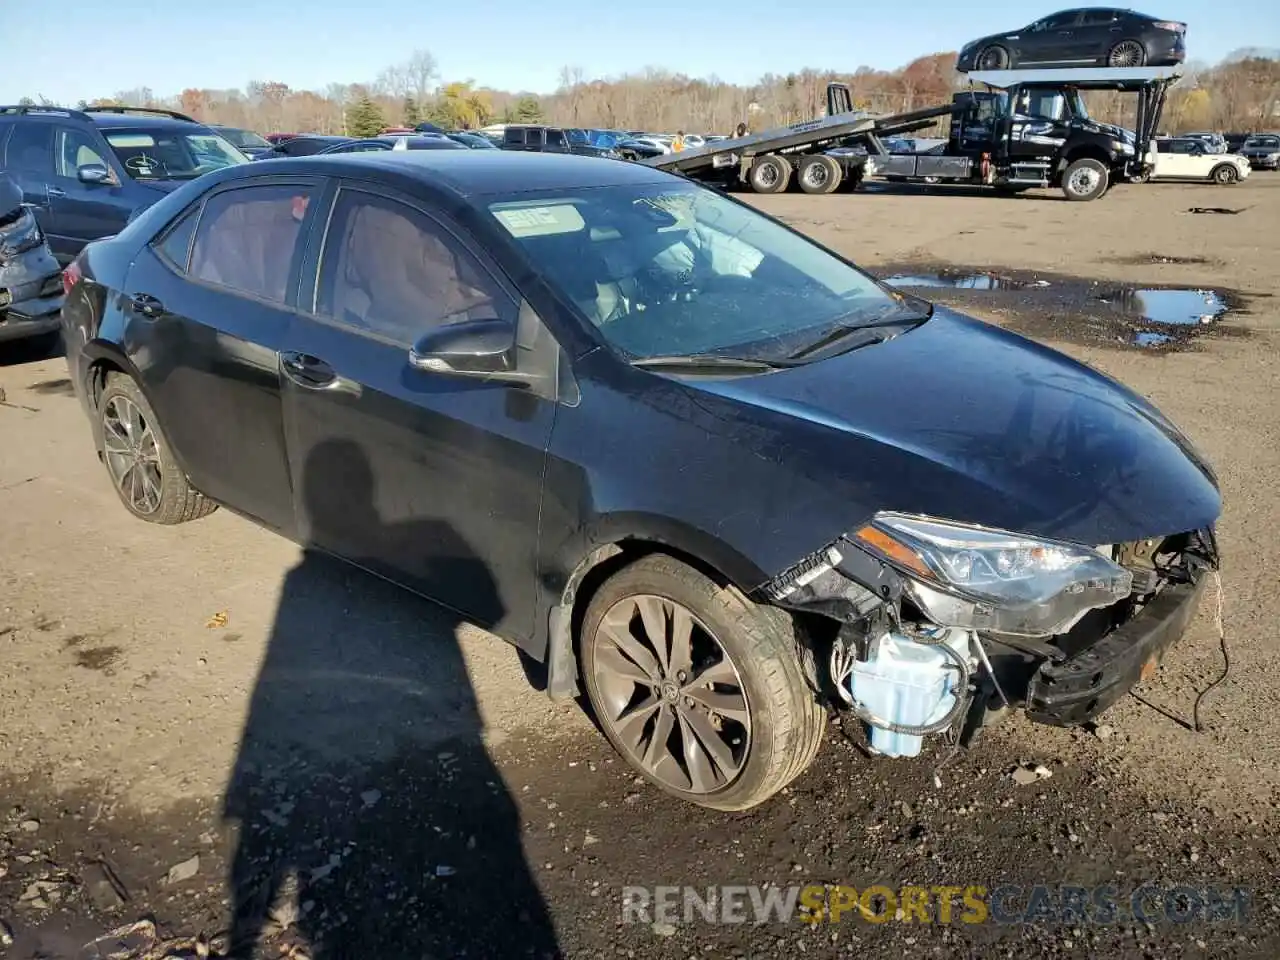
[422, 73]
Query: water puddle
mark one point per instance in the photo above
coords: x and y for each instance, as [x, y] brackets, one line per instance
[1146, 339]
[962, 281]
[1180, 307]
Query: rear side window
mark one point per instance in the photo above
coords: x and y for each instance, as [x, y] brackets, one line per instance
[174, 245]
[31, 148]
[248, 238]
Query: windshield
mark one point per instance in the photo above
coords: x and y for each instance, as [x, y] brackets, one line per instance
[1272, 142]
[243, 138]
[172, 154]
[665, 270]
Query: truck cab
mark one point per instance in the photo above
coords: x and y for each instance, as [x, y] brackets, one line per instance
[1032, 129]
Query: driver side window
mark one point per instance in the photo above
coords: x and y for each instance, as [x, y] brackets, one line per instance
[74, 149]
[390, 269]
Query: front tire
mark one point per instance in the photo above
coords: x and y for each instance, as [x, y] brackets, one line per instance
[700, 689]
[1225, 173]
[1085, 179]
[994, 57]
[139, 460]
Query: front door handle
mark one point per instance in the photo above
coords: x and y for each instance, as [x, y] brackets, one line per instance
[147, 305]
[56, 192]
[307, 371]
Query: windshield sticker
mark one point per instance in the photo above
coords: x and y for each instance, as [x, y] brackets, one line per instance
[131, 141]
[544, 221]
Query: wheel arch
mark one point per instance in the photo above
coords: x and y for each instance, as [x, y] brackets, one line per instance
[102, 358]
[616, 543]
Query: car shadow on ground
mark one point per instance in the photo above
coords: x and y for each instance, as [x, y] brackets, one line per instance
[14, 353]
[370, 820]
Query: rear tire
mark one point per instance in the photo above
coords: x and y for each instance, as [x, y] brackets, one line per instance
[769, 174]
[1085, 179]
[821, 174]
[139, 460]
[1127, 53]
[994, 57]
[1225, 173]
[748, 651]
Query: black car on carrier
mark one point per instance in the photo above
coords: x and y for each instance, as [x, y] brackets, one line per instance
[1088, 37]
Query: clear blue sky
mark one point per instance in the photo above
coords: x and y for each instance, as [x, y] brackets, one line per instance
[516, 44]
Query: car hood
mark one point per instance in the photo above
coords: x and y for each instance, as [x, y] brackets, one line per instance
[961, 420]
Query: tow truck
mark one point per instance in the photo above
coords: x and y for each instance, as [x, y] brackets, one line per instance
[1027, 128]
[1030, 128]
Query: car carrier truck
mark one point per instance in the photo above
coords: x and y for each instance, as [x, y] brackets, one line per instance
[1030, 128]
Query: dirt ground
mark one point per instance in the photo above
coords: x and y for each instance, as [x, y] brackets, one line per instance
[194, 717]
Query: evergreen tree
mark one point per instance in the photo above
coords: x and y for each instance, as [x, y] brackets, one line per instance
[528, 110]
[412, 117]
[365, 119]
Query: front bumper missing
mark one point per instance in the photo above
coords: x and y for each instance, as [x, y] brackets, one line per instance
[1078, 689]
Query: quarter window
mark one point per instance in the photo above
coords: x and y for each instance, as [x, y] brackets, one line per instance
[394, 271]
[175, 244]
[248, 238]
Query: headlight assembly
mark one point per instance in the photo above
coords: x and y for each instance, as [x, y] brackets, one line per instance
[977, 578]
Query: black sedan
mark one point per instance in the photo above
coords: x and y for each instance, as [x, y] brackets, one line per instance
[1094, 36]
[693, 462]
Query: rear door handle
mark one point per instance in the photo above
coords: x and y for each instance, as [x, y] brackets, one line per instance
[56, 192]
[307, 371]
[147, 305]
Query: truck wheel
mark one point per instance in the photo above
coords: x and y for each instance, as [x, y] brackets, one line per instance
[1127, 53]
[1225, 173]
[700, 689]
[819, 174]
[769, 174]
[1085, 179]
[994, 57]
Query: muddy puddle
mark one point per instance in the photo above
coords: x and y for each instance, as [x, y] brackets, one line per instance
[1076, 308]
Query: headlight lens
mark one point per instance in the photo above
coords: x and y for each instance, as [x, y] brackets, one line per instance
[977, 578]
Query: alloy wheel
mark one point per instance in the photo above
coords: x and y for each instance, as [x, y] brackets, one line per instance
[132, 454]
[1127, 53]
[670, 695]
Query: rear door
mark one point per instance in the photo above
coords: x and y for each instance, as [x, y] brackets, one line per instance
[81, 212]
[208, 305]
[1100, 29]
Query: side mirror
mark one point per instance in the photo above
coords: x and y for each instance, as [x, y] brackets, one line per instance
[93, 173]
[470, 348]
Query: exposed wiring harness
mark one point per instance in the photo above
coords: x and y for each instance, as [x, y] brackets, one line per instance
[1226, 656]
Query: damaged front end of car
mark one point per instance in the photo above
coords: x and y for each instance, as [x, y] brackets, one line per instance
[30, 276]
[924, 626]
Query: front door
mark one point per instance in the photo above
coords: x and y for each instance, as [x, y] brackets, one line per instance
[80, 212]
[428, 479]
[209, 308]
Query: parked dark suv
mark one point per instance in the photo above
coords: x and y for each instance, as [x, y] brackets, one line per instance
[692, 461]
[86, 172]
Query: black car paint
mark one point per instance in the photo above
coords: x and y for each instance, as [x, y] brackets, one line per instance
[746, 475]
[1079, 41]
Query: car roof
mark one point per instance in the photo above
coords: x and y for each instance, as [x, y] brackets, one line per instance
[142, 121]
[468, 173]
